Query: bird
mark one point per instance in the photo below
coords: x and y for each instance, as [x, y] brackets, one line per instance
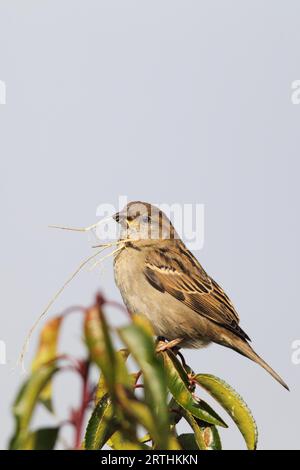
[160, 278]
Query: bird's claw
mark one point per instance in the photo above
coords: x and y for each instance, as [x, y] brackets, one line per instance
[169, 345]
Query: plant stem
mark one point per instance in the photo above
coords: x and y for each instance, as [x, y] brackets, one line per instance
[78, 415]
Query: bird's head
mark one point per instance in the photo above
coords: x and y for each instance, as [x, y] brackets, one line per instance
[142, 221]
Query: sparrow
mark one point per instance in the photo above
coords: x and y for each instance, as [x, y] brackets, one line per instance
[160, 278]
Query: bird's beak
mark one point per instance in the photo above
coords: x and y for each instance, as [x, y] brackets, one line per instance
[121, 217]
[116, 216]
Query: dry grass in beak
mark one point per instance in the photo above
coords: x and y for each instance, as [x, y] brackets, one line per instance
[81, 229]
[104, 246]
[119, 243]
[106, 256]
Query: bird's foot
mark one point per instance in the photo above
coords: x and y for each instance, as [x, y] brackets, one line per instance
[163, 346]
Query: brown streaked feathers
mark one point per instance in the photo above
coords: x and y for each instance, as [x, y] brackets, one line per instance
[183, 277]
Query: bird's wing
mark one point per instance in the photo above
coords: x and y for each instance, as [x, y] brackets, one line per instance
[177, 272]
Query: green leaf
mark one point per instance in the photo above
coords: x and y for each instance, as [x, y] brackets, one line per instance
[173, 443]
[233, 403]
[198, 433]
[119, 442]
[175, 412]
[42, 439]
[139, 340]
[26, 401]
[101, 425]
[187, 441]
[178, 384]
[101, 349]
[121, 357]
[211, 437]
[140, 413]
[46, 352]
[206, 435]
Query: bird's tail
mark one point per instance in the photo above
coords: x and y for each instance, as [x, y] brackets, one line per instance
[245, 349]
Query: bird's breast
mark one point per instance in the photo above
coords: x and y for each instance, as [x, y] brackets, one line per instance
[169, 317]
[130, 279]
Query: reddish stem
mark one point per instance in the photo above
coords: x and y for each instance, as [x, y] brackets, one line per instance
[137, 377]
[74, 309]
[121, 307]
[77, 417]
[74, 363]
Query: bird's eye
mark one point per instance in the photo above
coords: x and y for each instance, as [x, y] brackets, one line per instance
[146, 219]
